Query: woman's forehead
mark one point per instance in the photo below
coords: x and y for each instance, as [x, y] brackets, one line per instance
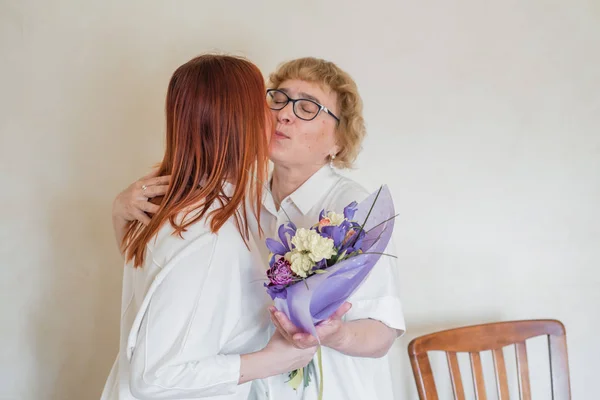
[319, 92]
[298, 86]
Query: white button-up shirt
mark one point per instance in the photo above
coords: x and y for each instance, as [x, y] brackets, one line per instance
[187, 314]
[378, 298]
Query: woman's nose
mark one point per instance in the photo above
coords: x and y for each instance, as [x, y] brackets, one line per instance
[286, 114]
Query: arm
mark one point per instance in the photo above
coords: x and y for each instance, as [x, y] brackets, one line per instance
[278, 357]
[364, 338]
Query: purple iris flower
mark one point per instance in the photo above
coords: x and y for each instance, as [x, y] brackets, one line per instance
[280, 248]
[350, 210]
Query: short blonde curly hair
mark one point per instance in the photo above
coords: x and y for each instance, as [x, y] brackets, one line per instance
[351, 130]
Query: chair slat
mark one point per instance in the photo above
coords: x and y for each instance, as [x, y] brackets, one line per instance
[457, 385]
[501, 378]
[479, 382]
[559, 367]
[523, 370]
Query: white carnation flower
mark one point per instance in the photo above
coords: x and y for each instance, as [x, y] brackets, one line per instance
[301, 263]
[336, 219]
[316, 246]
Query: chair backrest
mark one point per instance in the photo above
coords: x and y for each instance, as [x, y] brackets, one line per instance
[494, 336]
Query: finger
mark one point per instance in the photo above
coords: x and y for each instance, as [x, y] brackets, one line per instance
[303, 345]
[288, 329]
[148, 207]
[272, 311]
[302, 341]
[158, 180]
[286, 323]
[278, 327]
[282, 331]
[327, 327]
[141, 216]
[157, 190]
[340, 312]
[305, 340]
[287, 336]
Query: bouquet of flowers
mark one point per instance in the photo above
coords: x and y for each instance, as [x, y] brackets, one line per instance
[313, 271]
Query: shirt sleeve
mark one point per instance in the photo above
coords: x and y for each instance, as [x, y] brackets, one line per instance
[189, 317]
[378, 297]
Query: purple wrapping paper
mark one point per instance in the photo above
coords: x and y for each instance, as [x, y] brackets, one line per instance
[306, 307]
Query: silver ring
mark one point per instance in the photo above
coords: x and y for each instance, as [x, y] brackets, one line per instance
[144, 187]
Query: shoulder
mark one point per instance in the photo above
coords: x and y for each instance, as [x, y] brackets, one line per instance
[167, 246]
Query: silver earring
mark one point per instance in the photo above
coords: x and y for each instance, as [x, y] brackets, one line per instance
[331, 158]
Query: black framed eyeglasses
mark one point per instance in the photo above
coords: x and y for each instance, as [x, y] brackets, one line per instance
[304, 109]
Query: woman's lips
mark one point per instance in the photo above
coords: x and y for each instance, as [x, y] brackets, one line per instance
[281, 135]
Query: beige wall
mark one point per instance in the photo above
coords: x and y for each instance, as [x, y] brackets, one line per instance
[483, 119]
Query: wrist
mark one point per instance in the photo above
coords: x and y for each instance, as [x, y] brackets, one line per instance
[250, 367]
[256, 365]
[270, 363]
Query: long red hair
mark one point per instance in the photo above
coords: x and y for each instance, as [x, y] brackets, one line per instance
[217, 121]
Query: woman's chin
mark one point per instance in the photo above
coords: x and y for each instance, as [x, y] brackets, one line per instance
[277, 154]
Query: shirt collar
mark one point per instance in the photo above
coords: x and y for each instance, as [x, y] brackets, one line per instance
[309, 193]
[312, 191]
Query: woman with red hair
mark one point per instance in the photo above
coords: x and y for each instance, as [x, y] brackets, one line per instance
[194, 313]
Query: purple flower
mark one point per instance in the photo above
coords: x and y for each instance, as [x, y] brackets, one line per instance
[285, 232]
[350, 210]
[336, 233]
[352, 242]
[280, 277]
[277, 291]
[280, 273]
[322, 214]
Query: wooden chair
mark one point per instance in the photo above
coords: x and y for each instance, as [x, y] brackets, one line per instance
[494, 336]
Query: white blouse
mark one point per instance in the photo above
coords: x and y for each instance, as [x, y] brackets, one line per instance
[187, 314]
[345, 377]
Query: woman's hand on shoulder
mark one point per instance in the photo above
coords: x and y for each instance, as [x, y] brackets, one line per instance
[132, 203]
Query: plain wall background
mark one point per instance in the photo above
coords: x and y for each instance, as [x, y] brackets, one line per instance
[483, 117]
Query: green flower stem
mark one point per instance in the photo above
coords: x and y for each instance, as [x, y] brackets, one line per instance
[320, 361]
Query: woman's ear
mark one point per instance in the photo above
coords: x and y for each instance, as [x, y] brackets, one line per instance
[334, 151]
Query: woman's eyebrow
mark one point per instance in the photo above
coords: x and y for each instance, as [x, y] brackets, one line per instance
[303, 95]
[309, 97]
